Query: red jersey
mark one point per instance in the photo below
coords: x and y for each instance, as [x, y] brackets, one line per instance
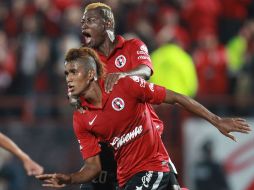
[127, 55]
[125, 123]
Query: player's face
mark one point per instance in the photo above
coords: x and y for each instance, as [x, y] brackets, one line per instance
[93, 28]
[76, 78]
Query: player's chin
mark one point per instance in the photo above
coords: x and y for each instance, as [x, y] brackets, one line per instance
[75, 93]
[86, 44]
[91, 44]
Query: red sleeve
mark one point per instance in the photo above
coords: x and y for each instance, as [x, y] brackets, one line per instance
[88, 143]
[145, 91]
[139, 54]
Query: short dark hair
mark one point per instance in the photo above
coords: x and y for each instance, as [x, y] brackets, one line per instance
[84, 53]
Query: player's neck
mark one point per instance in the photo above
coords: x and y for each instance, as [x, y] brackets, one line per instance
[94, 94]
[107, 47]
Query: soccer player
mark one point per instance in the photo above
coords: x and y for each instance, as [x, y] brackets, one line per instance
[122, 58]
[121, 119]
[31, 167]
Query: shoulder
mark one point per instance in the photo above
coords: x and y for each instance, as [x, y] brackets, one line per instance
[129, 82]
[135, 41]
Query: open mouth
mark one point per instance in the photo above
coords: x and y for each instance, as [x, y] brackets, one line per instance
[70, 88]
[87, 37]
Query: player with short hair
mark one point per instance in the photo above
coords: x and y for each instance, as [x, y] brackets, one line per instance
[121, 119]
[31, 167]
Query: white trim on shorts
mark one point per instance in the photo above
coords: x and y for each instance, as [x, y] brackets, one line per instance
[158, 180]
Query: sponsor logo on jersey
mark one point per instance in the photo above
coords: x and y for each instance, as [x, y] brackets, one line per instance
[144, 57]
[144, 48]
[118, 104]
[120, 61]
[141, 52]
[142, 82]
[135, 78]
[118, 142]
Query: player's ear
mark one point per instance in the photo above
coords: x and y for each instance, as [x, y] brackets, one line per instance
[108, 25]
[91, 75]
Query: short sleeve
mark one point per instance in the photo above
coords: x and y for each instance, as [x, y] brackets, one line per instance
[88, 143]
[139, 54]
[145, 91]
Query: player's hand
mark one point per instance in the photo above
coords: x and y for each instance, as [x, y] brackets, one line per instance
[112, 79]
[228, 125]
[54, 180]
[32, 168]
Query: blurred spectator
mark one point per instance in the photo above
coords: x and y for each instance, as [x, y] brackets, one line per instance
[12, 23]
[237, 47]
[49, 18]
[3, 13]
[232, 17]
[209, 174]
[212, 67]
[168, 28]
[174, 69]
[7, 63]
[144, 30]
[201, 15]
[29, 40]
[12, 174]
[71, 17]
[241, 51]
[240, 54]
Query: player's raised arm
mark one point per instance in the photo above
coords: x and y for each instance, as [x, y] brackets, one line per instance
[111, 79]
[224, 125]
[88, 172]
[31, 167]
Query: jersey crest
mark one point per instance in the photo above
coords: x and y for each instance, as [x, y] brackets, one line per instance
[120, 61]
[118, 104]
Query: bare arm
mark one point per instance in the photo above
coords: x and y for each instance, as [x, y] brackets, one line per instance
[224, 125]
[142, 71]
[31, 167]
[88, 172]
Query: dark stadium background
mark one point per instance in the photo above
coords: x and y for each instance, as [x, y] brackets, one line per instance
[34, 37]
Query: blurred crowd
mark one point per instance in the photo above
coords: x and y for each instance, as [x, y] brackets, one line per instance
[218, 35]
[208, 46]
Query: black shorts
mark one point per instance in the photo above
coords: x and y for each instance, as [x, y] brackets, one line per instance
[151, 180]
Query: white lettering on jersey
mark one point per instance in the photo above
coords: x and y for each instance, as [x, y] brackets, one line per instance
[142, 82]
[144, 57]
[118, 142]
[120, 61]
[135, 78]
[141, 53]
[144, 48]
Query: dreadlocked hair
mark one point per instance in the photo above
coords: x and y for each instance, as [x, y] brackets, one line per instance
[84, 53]
[105, 11]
